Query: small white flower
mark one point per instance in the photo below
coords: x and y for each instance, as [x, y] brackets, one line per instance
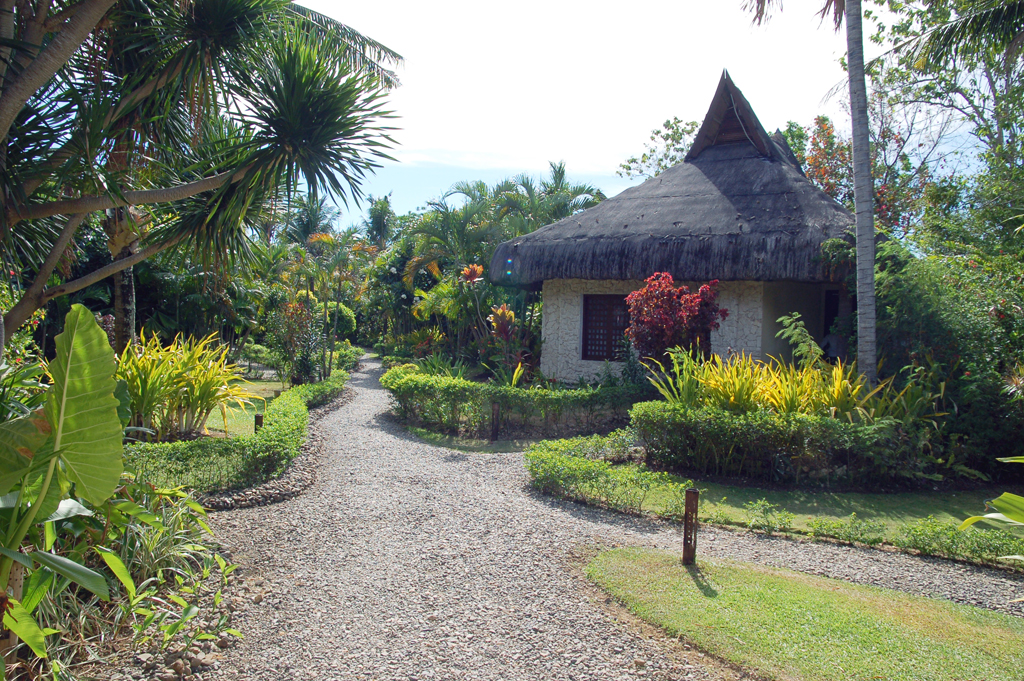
[394, 271]
[403, 296]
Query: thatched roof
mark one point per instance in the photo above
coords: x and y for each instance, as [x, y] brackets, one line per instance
[738, 208]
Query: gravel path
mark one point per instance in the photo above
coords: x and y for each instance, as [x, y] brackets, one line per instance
[409, 561]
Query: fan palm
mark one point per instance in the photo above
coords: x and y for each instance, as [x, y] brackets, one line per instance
[850, 12]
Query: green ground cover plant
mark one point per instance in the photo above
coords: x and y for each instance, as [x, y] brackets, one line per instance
[218, 464]
[781, 624]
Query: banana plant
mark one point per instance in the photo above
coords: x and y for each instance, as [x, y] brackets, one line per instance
[71, 448]
[1009, 509]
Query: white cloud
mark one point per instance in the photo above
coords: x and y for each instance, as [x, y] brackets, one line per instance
[515, 85]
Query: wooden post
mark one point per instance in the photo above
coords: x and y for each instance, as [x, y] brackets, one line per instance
[690, 527]
[495, 417]
[258, 424]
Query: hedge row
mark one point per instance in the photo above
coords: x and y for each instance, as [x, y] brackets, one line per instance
[579, 469]
[220, 464]
[770, 447]
[460, 405]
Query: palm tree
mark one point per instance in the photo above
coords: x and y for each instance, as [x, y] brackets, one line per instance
[311, 216]
[380, 222]
[251, 61]
[850, 11]
[997, 24]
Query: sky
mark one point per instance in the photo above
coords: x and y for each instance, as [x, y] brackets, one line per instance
[490, 90]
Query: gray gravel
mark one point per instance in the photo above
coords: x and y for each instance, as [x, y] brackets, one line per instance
[409, 561]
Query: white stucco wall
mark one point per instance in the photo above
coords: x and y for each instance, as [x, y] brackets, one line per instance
[562, 325]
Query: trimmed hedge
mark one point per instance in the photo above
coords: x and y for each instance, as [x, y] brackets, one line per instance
[455, 404]
[220, 464]
[581, 469]
[770, 447]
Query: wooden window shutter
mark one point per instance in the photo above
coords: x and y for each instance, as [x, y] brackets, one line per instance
[605, 320]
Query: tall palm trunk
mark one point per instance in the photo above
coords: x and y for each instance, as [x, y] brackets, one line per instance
[863, 192]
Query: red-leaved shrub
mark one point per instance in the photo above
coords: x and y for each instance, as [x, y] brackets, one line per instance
[662, 316]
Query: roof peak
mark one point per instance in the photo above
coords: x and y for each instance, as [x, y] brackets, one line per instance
[730, 119]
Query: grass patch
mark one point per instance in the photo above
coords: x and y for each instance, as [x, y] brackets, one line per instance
[788, 625]
[241, 421]
[892, 509]
[468, 444]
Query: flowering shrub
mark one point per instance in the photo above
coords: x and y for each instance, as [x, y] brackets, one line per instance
[662, 316]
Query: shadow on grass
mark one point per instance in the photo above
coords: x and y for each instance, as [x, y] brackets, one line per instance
[699, 581]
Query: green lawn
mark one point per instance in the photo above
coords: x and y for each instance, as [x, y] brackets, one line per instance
[788, 625]
[241, 421]
[892, 508]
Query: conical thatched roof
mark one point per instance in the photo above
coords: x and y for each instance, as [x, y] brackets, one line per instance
[738, 208]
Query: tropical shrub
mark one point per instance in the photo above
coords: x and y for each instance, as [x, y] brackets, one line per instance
[741, 384]
[70, 549]
[160, 562]
[218, 464]
[664, 316]
[850, 530]
[341, 320]
[456, 404]
[175, 389]
[934, 537]
[346, 356]
[966, 312]
[767, 517]
[792, 448]
[296, 335]
[558, 468]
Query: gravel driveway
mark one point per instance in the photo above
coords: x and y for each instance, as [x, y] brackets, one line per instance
[410, 561]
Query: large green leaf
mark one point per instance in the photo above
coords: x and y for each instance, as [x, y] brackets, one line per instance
[1010, 505]
[82, 409]
[76, 572]
[19, 441]
[18, 620]
[117, 566]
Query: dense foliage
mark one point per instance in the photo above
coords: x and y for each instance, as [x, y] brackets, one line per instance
[218, 464]
[456, 404]
[664, 316]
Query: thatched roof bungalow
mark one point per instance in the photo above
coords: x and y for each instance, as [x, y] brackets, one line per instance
[738, 209]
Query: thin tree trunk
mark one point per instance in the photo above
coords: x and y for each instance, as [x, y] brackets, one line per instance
[124, 305]
[863, 192]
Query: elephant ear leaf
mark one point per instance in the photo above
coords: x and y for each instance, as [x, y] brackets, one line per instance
[19, 441]
[82, 409]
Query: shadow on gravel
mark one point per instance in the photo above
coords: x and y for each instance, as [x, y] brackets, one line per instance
[594, 514]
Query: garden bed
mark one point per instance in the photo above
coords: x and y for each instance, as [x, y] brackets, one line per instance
[602, 471]
[214, 465]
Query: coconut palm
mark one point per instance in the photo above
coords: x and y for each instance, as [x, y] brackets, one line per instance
[310, 216]
[988, 24]
[850, 12]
